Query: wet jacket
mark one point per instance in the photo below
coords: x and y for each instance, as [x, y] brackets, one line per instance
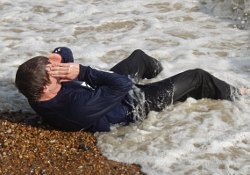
[94, 107]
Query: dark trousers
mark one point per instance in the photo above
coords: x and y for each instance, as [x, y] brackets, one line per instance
[195, 83]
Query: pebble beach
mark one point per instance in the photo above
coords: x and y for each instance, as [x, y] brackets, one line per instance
[27, 146]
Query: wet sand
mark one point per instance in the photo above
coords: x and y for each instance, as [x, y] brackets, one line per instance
[28, 146]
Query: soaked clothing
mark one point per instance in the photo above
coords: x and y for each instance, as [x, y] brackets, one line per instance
[195, 83]
[93, 108]
[112, 97]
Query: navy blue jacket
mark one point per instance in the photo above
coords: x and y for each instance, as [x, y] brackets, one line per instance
[93, 108]
[90, 108]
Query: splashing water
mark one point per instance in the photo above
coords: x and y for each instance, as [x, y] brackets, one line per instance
[237, 10]
[194, 137]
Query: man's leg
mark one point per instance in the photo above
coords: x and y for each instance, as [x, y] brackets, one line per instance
[138, 65]
[195, 83]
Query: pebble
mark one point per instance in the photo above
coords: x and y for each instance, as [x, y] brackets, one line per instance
[38, 149]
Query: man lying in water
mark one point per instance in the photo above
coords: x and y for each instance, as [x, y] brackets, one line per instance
[54, 88]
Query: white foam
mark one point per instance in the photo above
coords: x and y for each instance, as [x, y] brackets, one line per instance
[194, 137]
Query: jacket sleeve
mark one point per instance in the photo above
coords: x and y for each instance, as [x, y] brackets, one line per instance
[109, 90]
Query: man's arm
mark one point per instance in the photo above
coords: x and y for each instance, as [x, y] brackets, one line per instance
[95, 78]
[109, 91]
[90, 106]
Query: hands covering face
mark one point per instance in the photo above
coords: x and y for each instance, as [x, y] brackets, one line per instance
[64, 71]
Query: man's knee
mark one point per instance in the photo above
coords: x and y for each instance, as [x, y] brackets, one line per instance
[138, 52]
[200, 73]
[140, 56]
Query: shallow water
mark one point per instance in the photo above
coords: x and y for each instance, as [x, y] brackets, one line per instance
[194, 137]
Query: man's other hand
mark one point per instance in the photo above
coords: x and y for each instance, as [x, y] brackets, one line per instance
[55, 58]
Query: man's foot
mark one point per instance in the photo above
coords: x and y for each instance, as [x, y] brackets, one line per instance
[244, 90]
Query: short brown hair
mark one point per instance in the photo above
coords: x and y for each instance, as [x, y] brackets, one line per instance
[32, 77]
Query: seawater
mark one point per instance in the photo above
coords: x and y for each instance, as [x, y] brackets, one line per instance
[194, 137]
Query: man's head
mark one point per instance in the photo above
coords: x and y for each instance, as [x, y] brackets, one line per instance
[32, 77]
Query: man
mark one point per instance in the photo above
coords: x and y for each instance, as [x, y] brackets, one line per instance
[54, 89]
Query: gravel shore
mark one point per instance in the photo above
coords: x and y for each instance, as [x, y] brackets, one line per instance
[29, 147]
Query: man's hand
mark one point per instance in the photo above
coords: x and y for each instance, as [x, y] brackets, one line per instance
[55, 58]
[64, 71]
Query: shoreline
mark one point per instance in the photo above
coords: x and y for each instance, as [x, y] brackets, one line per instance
[29, 147]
